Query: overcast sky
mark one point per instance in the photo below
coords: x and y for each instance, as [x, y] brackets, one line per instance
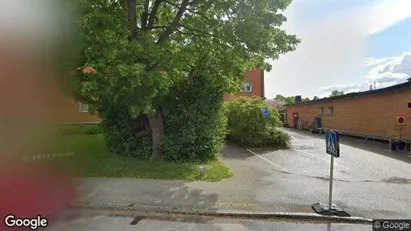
[346, 45]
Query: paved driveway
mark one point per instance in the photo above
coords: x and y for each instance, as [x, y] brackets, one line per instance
[369, 180]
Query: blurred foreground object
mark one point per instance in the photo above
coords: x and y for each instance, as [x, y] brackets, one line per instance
[35, 44]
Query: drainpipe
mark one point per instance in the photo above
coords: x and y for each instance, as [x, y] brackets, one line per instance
[262, 84]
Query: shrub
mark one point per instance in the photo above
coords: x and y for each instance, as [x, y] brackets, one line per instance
[195, 124]
[79, 129]
[195, 121]
[248, 127]
[125, 136]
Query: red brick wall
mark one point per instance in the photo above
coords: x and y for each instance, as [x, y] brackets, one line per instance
[370, 115]
[256, 78]
[68, 111]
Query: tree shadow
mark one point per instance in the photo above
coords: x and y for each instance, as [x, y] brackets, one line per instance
[233, 151]
[150, 195]
[158, 200]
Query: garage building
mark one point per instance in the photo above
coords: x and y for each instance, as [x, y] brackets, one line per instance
[377, 114]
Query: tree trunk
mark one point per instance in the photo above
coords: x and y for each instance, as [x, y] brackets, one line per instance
[142, 123]
[156, 122]
[132, 18]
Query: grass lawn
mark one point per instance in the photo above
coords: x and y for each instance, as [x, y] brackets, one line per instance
[91, 159]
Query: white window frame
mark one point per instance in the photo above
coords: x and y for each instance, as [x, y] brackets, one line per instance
[243, 87]
[83, 107]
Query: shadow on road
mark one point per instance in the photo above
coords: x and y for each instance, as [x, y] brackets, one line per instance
[141, 196]
[233, 151]
[146, 193]
[375, 146]
[185, 198]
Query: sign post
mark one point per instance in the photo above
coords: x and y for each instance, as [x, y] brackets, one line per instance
[333, 148]
[332, 145]
[330, 200]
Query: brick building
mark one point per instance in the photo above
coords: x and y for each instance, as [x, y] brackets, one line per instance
[372, 113]
[72, 111]
[76, 112]
[253, 85]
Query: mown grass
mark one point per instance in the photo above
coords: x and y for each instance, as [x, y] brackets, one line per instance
[90, 158]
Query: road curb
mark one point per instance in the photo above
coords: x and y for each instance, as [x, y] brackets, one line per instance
[221, 213]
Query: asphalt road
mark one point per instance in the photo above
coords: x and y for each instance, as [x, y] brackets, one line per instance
[100, 220]
[369, 180]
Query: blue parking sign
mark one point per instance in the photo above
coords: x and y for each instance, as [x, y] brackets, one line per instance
[332, 143]
[264, 112]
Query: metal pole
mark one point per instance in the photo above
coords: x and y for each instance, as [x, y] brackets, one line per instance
[331, 185]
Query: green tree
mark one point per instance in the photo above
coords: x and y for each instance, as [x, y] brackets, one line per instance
[288, 99]
[248, 127]
[141, 48]
[336, 93]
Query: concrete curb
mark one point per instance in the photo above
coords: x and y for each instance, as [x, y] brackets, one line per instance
[221, 213]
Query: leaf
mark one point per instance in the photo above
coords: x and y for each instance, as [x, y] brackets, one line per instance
[216, 39]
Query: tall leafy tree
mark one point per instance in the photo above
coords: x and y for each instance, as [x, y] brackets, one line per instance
[288, 99]
[285, 99]
[140, 48]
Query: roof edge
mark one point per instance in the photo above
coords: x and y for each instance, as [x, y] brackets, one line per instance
[397, 87]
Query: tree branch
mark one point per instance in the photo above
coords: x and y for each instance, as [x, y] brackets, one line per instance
[158, 27]
[200, 32]
[132, 18]
[171, 3]
[153, 13]
[190, 10]
[174, 24]
[144, 16]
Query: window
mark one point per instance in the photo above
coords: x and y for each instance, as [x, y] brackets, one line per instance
[330, 111]
[82, 107]
[246, 87]
[320, 111]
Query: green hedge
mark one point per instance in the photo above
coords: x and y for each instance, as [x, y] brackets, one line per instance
[247, 126]
[196, 125]
[79, 129]
[125, 136]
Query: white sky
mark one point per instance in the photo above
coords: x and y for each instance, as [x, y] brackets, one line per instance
[331, 55]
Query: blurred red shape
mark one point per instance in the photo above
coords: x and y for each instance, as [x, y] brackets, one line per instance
[29, 190]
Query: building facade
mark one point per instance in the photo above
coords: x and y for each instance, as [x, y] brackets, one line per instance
[74, 112]
[372, 113]
[253, 85]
